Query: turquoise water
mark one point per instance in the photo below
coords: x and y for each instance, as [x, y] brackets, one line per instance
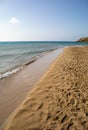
[14, 54]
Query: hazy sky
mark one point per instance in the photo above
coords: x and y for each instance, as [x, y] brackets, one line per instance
[43, 19]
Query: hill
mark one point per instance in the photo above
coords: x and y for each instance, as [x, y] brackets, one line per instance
[85, 39]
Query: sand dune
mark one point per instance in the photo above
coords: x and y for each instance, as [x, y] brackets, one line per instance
[60, 100]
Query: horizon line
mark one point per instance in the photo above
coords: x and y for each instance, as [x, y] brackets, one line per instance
[39, 41]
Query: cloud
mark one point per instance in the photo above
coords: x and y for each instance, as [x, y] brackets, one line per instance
[14, 20]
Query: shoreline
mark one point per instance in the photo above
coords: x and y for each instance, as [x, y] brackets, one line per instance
[60, 99]
[12, 70]
[19, 67]
[12, 88]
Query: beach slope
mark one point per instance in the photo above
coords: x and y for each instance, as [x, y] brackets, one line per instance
[59, 101]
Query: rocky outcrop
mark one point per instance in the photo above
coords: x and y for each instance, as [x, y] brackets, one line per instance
[85, 39]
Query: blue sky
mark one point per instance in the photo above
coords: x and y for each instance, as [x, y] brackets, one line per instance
[57, 20]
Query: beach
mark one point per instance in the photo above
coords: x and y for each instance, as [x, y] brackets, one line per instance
[43, 65]
[59, 101]
[14, 88]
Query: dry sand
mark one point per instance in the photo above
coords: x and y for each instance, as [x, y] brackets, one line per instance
[60, 100]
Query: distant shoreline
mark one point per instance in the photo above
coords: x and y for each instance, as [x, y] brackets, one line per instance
[85, 39]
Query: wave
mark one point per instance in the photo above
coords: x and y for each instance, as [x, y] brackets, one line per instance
[16, 69]
[6, 74]
[20, 67]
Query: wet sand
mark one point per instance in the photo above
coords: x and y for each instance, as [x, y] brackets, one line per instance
[14, 88]
[59, 100]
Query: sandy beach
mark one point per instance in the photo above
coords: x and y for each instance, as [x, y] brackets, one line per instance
[15, 88]
[59, 101]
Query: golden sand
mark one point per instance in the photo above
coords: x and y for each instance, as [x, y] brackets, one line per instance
[60, 100]
[16, 87]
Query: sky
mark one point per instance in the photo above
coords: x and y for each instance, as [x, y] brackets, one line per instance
[43, 20]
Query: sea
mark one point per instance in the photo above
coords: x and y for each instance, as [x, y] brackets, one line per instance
[15, 55]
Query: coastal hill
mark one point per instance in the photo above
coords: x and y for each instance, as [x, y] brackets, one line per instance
[85, 39]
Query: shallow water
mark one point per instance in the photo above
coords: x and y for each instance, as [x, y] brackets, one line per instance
[14, 55]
